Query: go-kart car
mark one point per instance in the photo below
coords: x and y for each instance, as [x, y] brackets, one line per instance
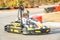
[27, 25]
[31, 27]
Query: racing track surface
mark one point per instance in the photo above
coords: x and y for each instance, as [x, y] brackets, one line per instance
[8, 16]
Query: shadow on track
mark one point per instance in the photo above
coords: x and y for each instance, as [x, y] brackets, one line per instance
[55, 31]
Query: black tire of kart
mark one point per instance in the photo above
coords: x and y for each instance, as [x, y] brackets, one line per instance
[5, 28]
[25, 32]
[8, 29]
[48, 31]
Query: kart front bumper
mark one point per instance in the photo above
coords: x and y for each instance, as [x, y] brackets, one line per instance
[41, 30]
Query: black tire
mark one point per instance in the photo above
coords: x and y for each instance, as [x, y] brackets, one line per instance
[5, 28]
[8, 29]
[48, 31]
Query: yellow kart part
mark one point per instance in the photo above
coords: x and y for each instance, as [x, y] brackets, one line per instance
[30, 28]
[16, 31]
[47, 30]
[16, 28]
[38, 31]
[16, 24]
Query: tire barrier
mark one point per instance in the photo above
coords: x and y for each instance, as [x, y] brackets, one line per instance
[52, 9]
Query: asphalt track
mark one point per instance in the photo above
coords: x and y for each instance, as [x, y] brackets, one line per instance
[8, 16]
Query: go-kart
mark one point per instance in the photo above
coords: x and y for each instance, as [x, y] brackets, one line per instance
[31, 27]
[27, 25]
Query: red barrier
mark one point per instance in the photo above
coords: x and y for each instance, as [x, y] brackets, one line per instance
[57, 8]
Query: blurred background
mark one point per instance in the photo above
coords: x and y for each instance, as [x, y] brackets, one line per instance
[26, 3]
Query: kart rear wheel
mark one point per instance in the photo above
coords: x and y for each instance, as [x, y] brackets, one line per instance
[7, 28]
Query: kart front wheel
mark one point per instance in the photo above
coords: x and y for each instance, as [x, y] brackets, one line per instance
[48, 31]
